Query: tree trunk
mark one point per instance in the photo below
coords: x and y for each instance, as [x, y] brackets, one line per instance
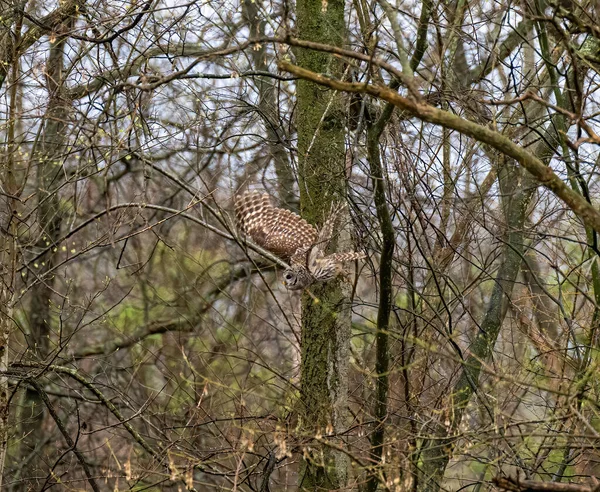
[8, 230]
[48, 156]
[268, 109]
[516, 190]
[8, 251]
[325, 313]
[388, 244]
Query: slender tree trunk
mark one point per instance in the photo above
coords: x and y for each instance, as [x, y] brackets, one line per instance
[8, 251]
[385, 302]
[268, 110]
[7, 51]
[8, 230]
[326, 322]
[517, 189]
[48, 155]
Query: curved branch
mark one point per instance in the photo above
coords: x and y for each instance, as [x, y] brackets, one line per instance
[517, 485]
[174, 212]
[542, 173]
[97, 393]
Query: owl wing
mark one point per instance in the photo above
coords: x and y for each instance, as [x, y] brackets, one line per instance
[324, 237]
[278, 230]
[326, 232]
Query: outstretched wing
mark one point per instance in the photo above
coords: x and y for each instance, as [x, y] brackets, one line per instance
[278, 230]
[317, 253]
[326, 232]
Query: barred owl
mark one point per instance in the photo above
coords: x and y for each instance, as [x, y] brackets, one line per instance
[290, 237]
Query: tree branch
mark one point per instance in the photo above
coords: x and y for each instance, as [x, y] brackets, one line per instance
[63, 430]
[516, 485]
[542, 173]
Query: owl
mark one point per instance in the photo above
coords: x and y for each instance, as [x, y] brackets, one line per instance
[290, 237]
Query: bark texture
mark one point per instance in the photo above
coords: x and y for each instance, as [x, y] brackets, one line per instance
[325, 313]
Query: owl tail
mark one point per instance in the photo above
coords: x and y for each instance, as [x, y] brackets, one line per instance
[346, 257]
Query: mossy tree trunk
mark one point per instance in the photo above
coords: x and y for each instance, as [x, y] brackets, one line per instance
[325, 314]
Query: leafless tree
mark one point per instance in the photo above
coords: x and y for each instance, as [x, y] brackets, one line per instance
[146, 344]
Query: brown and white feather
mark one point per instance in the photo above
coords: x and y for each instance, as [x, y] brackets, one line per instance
[346, 257]
[278, 230]
[326, 232]
[290, 237]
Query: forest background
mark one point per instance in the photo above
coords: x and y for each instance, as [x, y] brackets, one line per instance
[145, 345]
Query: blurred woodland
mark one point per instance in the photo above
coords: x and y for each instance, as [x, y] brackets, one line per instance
[145, 345]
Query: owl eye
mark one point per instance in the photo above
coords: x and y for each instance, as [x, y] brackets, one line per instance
[288, 276]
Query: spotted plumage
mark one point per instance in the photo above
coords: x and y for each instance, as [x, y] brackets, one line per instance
[290, 237]
[278, 230]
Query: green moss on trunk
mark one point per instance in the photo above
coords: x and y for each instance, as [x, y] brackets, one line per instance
[322, 178]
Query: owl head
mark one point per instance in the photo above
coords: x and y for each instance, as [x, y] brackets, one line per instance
[297, 277]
